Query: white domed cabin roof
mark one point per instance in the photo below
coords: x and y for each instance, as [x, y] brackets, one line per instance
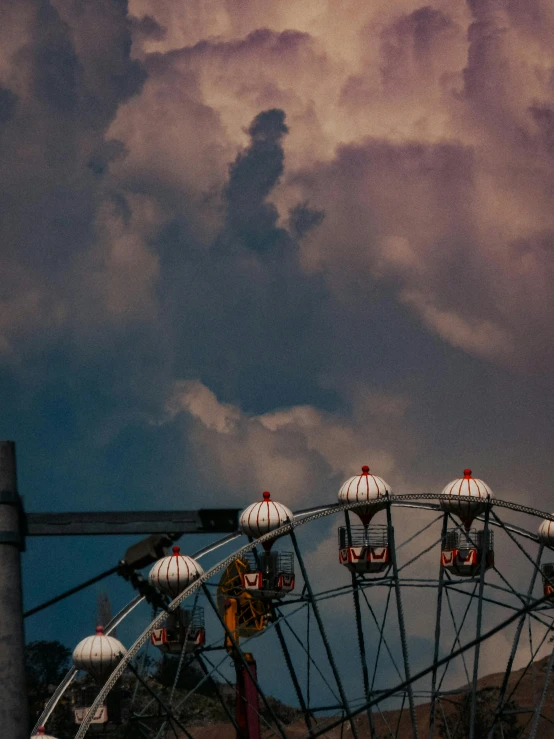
[265, 516]
[369, 490]
[98, 655]
[175, 573]
[466, 486]
[546, 533]
[42, 734]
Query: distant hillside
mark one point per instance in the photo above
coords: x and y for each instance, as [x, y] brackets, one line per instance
[524, 699]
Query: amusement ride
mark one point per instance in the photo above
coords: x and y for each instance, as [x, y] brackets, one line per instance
[381, 637]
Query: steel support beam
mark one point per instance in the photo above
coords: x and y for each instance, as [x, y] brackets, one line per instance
[13, 695]
[203, 521]
[484, 555]
[437, 632]
[401, 624]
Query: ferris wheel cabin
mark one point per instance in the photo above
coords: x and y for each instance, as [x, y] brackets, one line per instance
[270, 574]
[548, 580]
[462, 551]
[183, 629]
[364, 550]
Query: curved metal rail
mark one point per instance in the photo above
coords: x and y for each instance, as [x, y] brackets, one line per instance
[304, 516]
[114, 623]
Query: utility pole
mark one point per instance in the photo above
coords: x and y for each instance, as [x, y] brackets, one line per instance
[13, 693]
[15, 525]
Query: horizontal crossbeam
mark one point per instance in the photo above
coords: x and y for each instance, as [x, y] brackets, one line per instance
[203, 521]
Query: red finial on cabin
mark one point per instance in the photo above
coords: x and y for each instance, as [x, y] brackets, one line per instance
[41, 730]
[365, 470]
[267, 495]
[176, 550]
[100, 630]
[467, 473]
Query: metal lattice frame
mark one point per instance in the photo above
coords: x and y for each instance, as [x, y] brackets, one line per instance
[359, 586]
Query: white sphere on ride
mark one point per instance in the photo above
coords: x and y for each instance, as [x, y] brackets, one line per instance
[42, 734]
[98, 655]
[175, 573]
[469, 487]
[546, 533]
[265, 516]
[369, 489]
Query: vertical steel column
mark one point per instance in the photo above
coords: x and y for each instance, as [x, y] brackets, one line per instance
[13, 694]
[237, 651]
[321, 627]
[401, 624]
[359, 629]
[484, 554]
[515, 644]
[538, 709]
[437, 633]
[290, 667]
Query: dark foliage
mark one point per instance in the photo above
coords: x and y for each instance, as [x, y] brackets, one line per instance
[46, 663]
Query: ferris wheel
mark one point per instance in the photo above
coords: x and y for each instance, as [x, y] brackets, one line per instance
[389, 632]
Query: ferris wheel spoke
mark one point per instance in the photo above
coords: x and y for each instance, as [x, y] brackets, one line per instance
[522, 549]
[522, 597]
[529, 665]
[244, 663]
[169, 713]
[384, 720]
[477, 651]
[401, 624]
[418, 533]
[437, 635]
[457, 632]
[309, 659]
[360, 633]
[400, 712]
[444, 720]
[538, 709]
[382, 640]
[423, 551]
[144, 657]
[208, 676]
[217, 690]
[419, 555]
[292, 671]
[322, 632]
[363, 656]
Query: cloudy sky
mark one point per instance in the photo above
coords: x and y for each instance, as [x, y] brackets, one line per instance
[251, 246]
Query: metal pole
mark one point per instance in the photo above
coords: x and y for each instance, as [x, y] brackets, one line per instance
[292, 673]
[13, 695]
[484, 555]
[321, 627]
[437, 633]
[360, 631]
[538, 709]
[515, 645]
[401, 624]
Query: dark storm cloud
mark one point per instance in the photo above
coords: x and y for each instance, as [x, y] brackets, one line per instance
[152, 252]
[302, 218]
[71, 72]
[412, 37]
[101, 35]
[250, 319]
[55, 67]
[252, 177]
[147, 27]
[8, 102]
